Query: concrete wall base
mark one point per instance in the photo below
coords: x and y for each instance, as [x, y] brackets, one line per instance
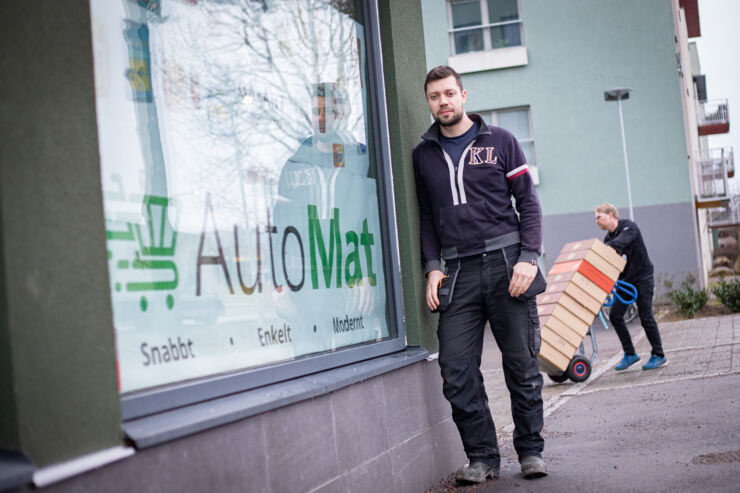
[390, 433]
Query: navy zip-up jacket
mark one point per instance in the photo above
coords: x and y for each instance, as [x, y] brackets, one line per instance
[465, 207]
[627, 239]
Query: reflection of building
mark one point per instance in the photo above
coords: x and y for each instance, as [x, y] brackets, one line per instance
[547, 86]
[356, 415]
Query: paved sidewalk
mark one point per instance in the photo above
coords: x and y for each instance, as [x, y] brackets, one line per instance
[674, 428]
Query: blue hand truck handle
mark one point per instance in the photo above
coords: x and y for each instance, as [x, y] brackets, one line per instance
[629, 290]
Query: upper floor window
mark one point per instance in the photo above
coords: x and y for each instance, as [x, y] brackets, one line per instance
[482, 25]
[518, 122]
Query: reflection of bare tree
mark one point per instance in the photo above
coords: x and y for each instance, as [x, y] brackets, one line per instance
[284, 48]
[251, 67]
[239, 81]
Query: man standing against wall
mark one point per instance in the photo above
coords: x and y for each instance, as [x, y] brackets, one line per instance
[624, 236]
[466, 173]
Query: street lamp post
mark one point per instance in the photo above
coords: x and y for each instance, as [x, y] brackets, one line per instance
[618, 94]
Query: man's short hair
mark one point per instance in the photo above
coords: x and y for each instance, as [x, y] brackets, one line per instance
[607, 208]
[442, 72]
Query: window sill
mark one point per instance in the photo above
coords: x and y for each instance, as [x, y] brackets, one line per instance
[15, 470]
[535, 172]
[176, 423]
[516, 56]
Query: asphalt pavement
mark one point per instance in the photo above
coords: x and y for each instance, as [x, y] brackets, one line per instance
[676, 428]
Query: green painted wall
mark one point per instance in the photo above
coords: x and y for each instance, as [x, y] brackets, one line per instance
[8, 417]
[56, 319]
[576, 50]
[408, 115]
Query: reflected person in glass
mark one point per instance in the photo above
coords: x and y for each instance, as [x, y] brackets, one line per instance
[325, 185]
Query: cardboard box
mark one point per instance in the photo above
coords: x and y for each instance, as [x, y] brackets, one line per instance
[560, 277]
[565, 300]
[559, 312]
[592, 258]
[582, 297]
[546, 366]
[589, 287]
[576, 292]
[570, 335]
[589, 271]
[561, 345]
[553, 357]
[582, 281]
[607, 252]
[555, 287]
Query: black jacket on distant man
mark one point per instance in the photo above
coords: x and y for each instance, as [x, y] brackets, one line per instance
[626, 239]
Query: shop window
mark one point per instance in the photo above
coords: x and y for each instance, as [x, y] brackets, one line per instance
[246, 190]
[483, 25]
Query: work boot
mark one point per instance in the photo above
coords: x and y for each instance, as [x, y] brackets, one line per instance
[533, 467]
[476, 472]
[627, 361]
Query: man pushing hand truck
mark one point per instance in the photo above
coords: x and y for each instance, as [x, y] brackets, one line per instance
[624, 236]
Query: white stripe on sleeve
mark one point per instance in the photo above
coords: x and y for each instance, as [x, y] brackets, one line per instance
[516, 170]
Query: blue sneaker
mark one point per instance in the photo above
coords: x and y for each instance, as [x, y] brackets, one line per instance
[627, 361]
[655, 362]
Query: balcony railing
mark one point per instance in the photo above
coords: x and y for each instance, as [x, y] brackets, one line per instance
[722, 217]
[713, 168]
[713, 117]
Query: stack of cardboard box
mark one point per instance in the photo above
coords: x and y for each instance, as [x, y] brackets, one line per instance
[577, 285]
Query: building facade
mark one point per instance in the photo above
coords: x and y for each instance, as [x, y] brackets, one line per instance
[204, 210]
[541, 69]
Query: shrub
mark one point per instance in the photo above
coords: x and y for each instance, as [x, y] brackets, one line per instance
[688, 301]
[728, 293]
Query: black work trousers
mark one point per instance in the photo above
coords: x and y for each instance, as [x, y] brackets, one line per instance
[480, 295]
[645, 289]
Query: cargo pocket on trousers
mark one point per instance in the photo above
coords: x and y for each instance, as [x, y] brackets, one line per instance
[535, 338]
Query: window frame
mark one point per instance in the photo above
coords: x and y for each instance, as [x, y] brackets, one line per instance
[484, 26]
[137, 404]
[493, 118]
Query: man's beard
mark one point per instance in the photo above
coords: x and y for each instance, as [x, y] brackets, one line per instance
[456, 117]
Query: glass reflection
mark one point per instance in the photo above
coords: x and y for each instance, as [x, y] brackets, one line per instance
[240, 202]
